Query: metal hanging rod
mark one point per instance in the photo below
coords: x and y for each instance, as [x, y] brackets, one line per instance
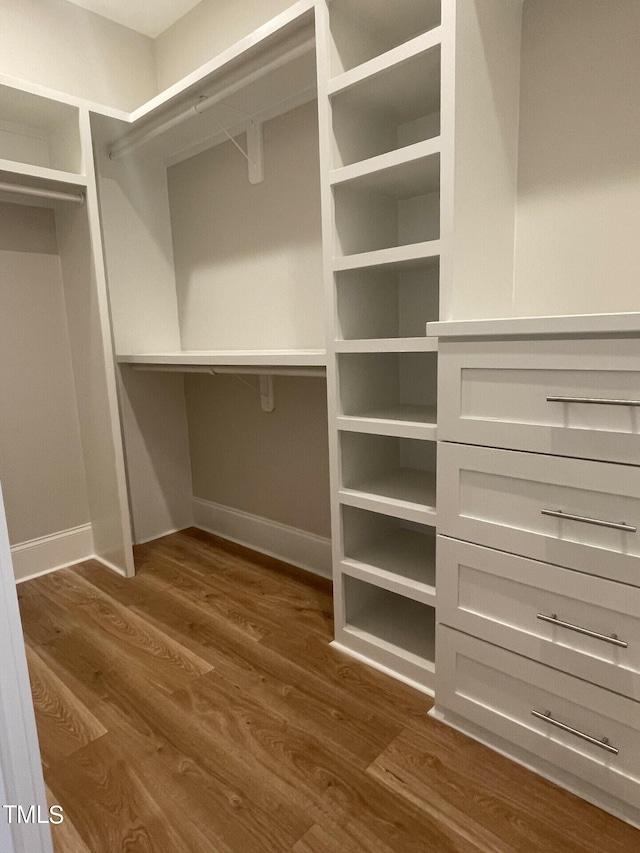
[17, 189]
[135, 140]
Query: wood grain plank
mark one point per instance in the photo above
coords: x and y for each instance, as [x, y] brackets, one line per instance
[64, 723]
[42, 619]
[330, 786]
[496, 803]
[273, 592]
[397, 701]
[65, 837]
[163, 662]
[216, 788]
[258, 736]
[114, 807]
[337, 716]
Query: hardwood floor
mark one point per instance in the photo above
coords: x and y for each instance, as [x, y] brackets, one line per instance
[199, 708]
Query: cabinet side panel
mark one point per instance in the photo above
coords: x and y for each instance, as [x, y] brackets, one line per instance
[134, 209]
[480, 95]
[156, 442]
[91, 349]
[577, 248]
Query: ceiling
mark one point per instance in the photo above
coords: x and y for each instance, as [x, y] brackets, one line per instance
[149, 17]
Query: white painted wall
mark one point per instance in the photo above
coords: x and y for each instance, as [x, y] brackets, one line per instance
[577, 247]
[41, 463]
[248, 258]
[64, 47]
[208, 29]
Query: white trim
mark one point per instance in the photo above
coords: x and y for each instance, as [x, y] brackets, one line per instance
[305, 550]
[563, 325]
[108, 565]
[539, 766]
[49, 553]
[374, 664]
[20, 762]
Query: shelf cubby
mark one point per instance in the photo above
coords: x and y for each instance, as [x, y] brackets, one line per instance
[389, 207]
[36, 131]
[363, 29]
[391, 624]
[394, 106]
[389, 552]
[388, 301]
[388, 386]
[391, 474]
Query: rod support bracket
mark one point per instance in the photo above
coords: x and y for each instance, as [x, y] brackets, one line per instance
[267, 400]
[255, 152]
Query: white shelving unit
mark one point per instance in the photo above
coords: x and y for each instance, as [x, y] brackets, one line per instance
[210, 210]
[380, 94]
[46, 161]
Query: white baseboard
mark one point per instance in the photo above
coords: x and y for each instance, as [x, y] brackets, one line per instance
[303, 549]
[49, 553]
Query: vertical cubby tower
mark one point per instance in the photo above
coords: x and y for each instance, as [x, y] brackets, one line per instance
[379, 94]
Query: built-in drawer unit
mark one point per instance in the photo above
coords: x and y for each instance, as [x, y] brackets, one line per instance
[567, 397]
[570, 512]
[581, 624]
[587, 730]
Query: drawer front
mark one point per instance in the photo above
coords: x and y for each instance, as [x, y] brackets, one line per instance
[501, 598]
[500, 691]
[571, 398]
[502, 498]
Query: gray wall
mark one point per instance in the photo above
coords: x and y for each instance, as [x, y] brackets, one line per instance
[271, 464]
[41, 466]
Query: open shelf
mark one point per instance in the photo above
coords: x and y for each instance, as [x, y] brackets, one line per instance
[390, 474]
[241, 358]
[392, 102]
[414, 170]
[391, 301]
[259, 78]
[397, 207]
[38, 132]
[395, 257]
[389, 552]
[388, 386]
[391, 622]
[362, 29]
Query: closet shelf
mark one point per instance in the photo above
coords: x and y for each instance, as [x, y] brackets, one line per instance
[411, 585]
[223, 358]
[392, 623]
[397, 58]
[406, 494]
[28, 175]
[401, 421]
[396, 255]
[410, 171]
[424, 344]
[260, 77]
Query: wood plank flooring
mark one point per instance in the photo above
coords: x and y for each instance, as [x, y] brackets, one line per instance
[198, 707]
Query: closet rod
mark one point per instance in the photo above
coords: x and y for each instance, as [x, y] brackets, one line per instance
[41, 193]
[135, 140]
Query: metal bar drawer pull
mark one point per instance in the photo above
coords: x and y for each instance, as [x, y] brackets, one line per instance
[598, 401]
[614, 525]
[603, 744]
[611, 638]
